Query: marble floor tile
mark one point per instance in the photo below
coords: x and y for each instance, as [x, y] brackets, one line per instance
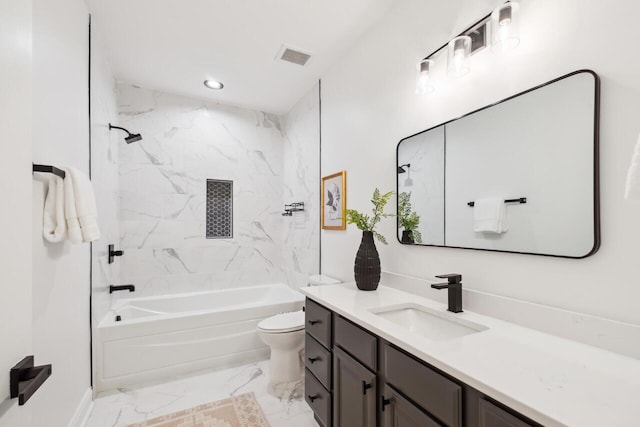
[128, 405]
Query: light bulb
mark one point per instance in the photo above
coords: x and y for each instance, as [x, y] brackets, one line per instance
[424, 81]
[459, 53]
[505, 34]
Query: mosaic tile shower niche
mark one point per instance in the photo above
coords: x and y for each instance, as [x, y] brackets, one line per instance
[219, 209]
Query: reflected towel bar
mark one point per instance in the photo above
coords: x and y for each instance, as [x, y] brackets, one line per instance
[519, 200]
[49, 169]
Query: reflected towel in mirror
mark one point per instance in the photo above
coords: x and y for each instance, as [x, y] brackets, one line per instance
[490, 215]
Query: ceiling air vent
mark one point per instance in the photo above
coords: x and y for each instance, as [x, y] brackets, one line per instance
[295, 56]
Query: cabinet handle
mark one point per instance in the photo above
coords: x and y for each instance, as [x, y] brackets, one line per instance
[313, 359]
[313, 322]
[313, 397]
[365, 387]
[384, 402]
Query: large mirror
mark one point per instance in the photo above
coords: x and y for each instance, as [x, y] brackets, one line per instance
[519, 176]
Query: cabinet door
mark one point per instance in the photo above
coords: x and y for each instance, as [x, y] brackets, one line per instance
[397, 411]
[492, 416]
[354, 392]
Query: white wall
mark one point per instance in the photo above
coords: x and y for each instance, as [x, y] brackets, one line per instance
[15, 155]
[61, 270]
[369, 104]
[301, 168]
[105, 145]
[163, 193]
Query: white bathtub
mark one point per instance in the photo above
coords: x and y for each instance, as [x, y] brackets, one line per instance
[174, 334]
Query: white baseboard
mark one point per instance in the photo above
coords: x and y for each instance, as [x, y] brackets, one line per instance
[83, 410]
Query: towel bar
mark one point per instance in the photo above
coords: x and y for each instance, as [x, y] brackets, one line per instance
[518, 200]
[49, 169]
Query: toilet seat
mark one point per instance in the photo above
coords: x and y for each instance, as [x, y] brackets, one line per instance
[284, 322]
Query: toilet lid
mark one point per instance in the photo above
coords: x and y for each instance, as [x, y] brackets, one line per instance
[285, 322]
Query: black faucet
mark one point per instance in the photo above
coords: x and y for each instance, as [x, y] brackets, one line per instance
[454, 285]
[113, 288]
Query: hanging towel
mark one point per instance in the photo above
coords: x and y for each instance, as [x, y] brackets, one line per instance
[80, 207]
[54, 226]
[490, 216]
[632, 189]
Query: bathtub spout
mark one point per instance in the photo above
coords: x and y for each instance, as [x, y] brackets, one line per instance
[113, 288]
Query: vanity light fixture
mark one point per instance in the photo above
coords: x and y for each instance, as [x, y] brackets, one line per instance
[424, 82]
[505, 34]
[213, 84]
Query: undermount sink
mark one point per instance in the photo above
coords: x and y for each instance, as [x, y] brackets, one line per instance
[427, 322]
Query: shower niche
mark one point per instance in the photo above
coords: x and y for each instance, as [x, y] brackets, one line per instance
[219, 209]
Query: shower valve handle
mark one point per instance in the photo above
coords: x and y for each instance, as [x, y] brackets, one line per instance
[113, 253]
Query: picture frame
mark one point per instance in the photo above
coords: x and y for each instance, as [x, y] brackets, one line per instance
[334, 201]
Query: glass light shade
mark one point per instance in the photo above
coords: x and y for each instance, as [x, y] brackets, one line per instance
[424, 80]
[505, 27]
[458, 56]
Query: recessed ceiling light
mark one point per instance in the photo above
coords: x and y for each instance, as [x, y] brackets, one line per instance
[213, 84]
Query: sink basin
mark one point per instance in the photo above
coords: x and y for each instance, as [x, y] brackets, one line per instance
[427, 322]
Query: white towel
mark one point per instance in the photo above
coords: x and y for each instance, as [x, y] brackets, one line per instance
[632, 189]
[54, 227]
[489, 216]
[80, 207]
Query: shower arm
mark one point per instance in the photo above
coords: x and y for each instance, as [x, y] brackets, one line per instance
[118, 127]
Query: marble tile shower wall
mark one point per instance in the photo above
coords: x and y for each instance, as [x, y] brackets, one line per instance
[163, 193]
[105, 146]
[300, 238]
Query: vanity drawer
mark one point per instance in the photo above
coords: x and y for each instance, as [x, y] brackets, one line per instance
[318, 360]
[318, 322]
[491, 415]
[318, 398]
[356, 341]
[437, 394]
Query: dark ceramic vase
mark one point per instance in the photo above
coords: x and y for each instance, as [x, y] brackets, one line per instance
[367, 265]
[407, 236]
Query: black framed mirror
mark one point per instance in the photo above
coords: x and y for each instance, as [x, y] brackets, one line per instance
[519, 175]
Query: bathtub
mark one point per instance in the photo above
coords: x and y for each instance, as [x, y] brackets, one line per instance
[158, 337]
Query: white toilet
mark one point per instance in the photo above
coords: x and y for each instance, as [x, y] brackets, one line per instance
[284, 334]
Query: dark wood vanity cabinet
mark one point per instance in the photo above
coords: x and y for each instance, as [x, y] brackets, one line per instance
[356, 379]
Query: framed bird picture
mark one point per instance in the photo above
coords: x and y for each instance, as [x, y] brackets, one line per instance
[334, 201]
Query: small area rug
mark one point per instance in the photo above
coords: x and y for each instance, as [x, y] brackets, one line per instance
[238, 411]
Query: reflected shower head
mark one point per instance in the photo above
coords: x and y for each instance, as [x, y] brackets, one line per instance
[401, 168]
[131, 137]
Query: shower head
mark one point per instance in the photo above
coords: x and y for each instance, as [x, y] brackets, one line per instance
[401, 168]
[131, 137]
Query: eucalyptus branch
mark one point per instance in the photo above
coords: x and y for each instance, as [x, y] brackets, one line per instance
[365, 222]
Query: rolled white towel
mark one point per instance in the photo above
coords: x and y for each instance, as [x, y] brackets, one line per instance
[632, 189]
[54, 226]
[84, 201]
[489, 216]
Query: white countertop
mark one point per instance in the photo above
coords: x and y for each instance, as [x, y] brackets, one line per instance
[554, 381]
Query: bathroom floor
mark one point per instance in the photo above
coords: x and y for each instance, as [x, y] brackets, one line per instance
[129, 405]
